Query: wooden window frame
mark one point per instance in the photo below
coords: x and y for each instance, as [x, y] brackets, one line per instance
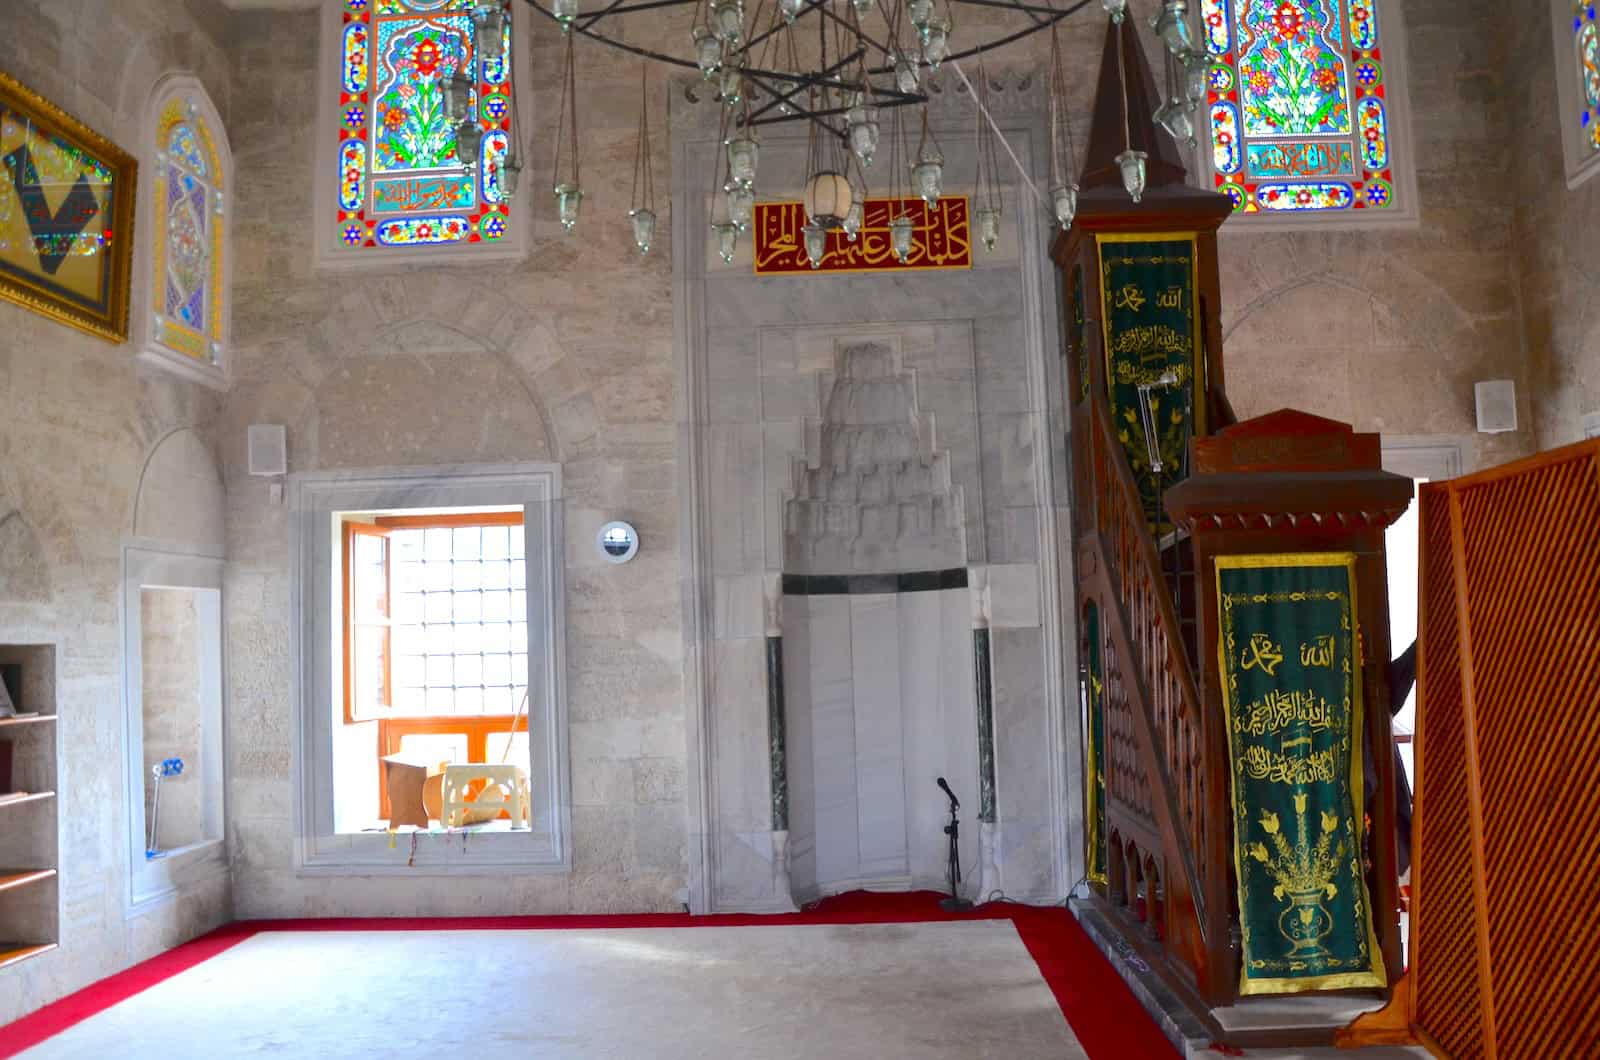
[351, 530]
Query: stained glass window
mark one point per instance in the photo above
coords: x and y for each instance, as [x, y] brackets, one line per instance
[400, 181]
[1586, 45]
[187, 278]
[1299, 105]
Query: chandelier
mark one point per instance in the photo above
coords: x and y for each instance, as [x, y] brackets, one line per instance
[847, 69]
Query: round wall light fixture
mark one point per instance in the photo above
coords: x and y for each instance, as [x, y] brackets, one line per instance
[618, 542]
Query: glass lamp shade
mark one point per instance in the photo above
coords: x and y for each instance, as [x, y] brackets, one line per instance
[458, 95]
[920, 11]
[510, 177]
[727, 20]
[1174, 117]
[816, 244]
[927, 175]
[707, 52]
[644, 228]
[569, 197]
[741, 203]
[863, 132]
[988, 218]
[732, 85]
[906, 75]
[790, 8]
[744, 151]
[565, 11]
[863, 7]
[1196, 77]
[901, 231]
[1133, 172]
[852, 220]
[727, 234]
[936, 41]
[1117, 9]
[1064, 204]
[469, 137]
[490, 19]
[1172, 26]
[828, 198]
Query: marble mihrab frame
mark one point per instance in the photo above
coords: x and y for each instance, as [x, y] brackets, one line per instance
[66, 215]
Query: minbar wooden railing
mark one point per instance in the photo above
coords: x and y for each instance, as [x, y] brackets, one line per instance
[1157, 815]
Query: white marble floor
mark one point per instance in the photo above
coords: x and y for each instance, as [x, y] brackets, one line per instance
[839, 992]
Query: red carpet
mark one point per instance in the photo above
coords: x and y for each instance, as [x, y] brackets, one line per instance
[1102, 1011]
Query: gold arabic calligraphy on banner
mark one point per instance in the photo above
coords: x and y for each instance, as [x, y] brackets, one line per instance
[940, 239]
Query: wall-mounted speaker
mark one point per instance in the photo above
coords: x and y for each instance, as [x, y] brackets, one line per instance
[1497, 406]
[268, 448]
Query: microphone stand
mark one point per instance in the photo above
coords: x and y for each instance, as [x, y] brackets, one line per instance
[955, 903]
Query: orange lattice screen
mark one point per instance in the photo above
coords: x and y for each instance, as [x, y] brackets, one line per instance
[1506, 913]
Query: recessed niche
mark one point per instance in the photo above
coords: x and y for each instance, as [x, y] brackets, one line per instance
[29, 897]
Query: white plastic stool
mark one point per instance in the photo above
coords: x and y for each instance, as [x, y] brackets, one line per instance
[507, 790]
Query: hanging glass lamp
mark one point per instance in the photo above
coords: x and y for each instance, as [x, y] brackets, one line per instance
[744, 152]
[469, 138]
[727, 20]
[727, 234]
[644, 228]
[1196, 77]
[1133, 172]
[1174, 117]
[927, 175]
[1117, 9]
[489, 19]
[565, 12]
[936, 40]
[907, 77]
[862, 125]
[828, 197]
[458, 95]
[863, 7]
[569, 197]
[919, 11]
[707, 52]
[852, 219]
[731, 85]
[1064, 204]
[901, 231]
[1172, 26]
[816, 244]
[988, 218]
[510, 175]
[790, 9]
[741, 203]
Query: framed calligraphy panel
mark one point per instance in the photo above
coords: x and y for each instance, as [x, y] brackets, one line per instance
[1291, 689]
[66, 215]
[1151, 326]
[941, 239]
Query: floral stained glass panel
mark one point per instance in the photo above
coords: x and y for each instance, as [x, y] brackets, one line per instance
[1587, 40]
[400, 182]
[1298, 105]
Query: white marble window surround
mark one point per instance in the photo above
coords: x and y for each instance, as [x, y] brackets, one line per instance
[314, 499]
[149, 564]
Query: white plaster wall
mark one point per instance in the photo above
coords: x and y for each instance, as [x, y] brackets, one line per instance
[78, 422]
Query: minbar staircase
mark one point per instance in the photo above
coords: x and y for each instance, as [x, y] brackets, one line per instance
[1163, 900]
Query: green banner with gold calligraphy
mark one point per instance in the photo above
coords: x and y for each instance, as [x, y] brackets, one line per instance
[1150, 321]
[1287, 640]
[1096, 789]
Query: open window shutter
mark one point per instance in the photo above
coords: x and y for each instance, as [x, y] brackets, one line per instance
[368, 686]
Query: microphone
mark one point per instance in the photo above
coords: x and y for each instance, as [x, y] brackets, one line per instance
[955, 803]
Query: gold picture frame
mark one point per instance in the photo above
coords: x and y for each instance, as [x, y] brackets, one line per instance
[66, 215]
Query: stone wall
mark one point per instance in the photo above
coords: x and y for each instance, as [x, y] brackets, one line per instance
[169, 628]
[565, 357]
[77, 422]
[1557, 229]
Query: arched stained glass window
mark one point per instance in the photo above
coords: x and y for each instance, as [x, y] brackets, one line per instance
[186, 310]
[1586, 50]
[1301, 106]
[399, 180]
